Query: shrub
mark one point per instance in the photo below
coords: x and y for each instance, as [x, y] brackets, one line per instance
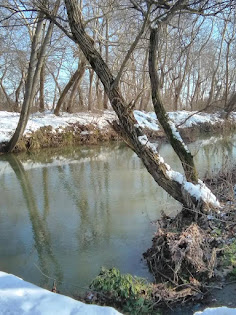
[132, 295]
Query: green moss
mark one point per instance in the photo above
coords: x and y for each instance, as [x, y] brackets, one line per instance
[132, 295]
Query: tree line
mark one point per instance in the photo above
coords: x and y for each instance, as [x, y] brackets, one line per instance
[196, 56]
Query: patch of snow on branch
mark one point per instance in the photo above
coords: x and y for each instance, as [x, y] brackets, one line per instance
[177, 134]
[202, 191]
[199, 191]
[144, 141]
[21, 297]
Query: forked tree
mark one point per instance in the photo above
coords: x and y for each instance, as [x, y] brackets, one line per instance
[187, 188]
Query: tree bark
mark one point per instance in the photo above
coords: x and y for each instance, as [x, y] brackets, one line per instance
[90, 93]
[41, 88]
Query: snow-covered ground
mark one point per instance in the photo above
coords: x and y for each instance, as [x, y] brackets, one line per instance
[9, 120]
[20, 297]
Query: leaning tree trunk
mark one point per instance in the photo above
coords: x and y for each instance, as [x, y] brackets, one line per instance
[172, 133]
[81, 71]
[77, 75]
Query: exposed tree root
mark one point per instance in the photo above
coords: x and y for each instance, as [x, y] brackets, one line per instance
[185, 256]
[181, 256]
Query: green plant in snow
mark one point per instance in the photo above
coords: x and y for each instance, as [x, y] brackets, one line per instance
[131, 294]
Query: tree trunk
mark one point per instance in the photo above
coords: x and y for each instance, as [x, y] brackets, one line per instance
[172, 134]
[66, 89]
[41, 89]
[105, 98]
[81, 71]
[90, 93]
[17, 93]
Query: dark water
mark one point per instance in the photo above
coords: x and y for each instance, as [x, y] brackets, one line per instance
[69, 212]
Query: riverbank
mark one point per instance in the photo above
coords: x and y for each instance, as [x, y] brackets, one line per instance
[46, 130]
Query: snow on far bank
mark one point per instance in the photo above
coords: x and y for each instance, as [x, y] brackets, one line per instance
[145, 120]
[9, 120]
[179, 118]
[20, 297]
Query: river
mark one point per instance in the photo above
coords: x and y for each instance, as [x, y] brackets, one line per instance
[64, 213]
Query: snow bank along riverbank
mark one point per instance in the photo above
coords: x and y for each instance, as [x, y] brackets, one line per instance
[48, 130]
[20, 297]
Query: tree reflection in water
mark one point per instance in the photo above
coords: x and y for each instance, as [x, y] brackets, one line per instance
[41, 235]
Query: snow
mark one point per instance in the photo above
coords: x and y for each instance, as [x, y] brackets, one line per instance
[177, 134]
[20, 297]
[144, 141]
[145, 120]
[199, 191]
[223, 310]
[179, 117]
[9, 120]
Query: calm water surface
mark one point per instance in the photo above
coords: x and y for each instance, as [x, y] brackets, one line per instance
[69, 212]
